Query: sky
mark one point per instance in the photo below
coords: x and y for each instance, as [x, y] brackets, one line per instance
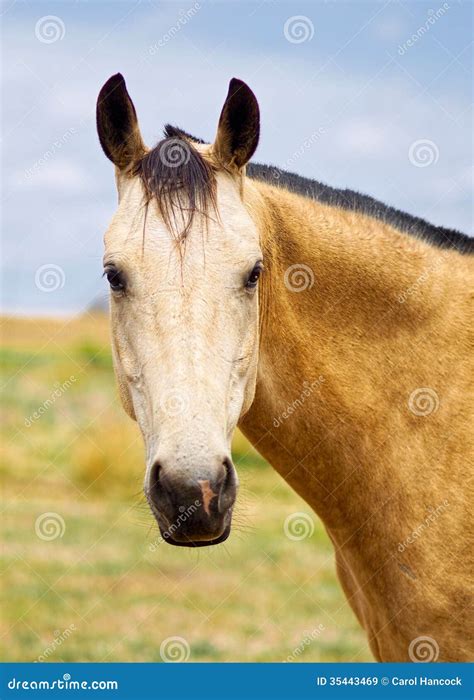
[375, 96]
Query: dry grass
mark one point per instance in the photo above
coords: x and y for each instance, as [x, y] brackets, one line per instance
[252, 599]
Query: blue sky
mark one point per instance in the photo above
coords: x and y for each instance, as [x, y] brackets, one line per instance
[393, 120]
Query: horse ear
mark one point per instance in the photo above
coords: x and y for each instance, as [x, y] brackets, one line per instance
[117, 124]
[239, 126]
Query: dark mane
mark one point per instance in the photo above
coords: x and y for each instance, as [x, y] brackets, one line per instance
[354, 201]
[175, 168]
[180, 180]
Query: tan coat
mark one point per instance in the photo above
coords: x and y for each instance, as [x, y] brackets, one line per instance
[382, 448]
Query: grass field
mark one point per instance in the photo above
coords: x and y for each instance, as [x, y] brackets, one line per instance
[85, 577]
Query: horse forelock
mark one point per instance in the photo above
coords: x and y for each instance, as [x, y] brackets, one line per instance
[179, 179]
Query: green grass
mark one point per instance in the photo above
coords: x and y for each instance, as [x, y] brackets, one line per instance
[254, 598]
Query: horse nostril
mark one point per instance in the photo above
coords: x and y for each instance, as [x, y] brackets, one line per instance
[228, 488]
[229, 472]
[158, 492]
[154, 478]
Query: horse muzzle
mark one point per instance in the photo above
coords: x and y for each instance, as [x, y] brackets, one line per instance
[192, 504]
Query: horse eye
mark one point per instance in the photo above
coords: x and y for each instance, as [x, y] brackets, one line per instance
[254, 275]
[115, 279]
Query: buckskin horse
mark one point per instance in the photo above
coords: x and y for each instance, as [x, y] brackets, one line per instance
[234, 286]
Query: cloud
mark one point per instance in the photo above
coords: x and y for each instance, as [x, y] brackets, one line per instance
[60, 175]
[364, 138]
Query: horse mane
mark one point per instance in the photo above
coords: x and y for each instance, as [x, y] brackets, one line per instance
[364, 204]
[174, 168]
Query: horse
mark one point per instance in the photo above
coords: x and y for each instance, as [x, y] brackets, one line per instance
[332, 329]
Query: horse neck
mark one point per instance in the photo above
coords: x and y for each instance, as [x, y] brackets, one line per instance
[341, 349]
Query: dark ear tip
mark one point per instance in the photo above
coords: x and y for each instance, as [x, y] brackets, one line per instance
[117, 77]
[114, 82]
[241, 91]
[236, 85]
